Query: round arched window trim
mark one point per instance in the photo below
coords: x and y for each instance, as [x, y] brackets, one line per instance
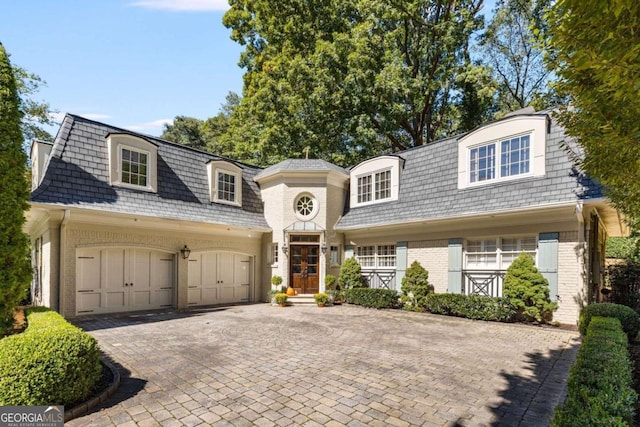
[305, 206]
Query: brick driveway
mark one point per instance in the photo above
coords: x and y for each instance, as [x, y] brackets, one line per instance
[344, 365]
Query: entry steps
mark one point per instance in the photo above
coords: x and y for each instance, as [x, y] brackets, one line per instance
[301, 299]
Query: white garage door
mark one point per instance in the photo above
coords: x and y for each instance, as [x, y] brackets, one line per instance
[218, 278]
[110, 280]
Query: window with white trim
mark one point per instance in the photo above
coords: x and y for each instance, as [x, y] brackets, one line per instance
[134, 167]
[510, 156]
[274, 253]
[132, 162]
[376, 256]
[225, 181]
[381, 181]
[497, 254]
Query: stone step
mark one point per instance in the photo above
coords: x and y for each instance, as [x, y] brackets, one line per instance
[301, 299]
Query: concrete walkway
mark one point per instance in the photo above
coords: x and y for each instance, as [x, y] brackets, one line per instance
[307, 366]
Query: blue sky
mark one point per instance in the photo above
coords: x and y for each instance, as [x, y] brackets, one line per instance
[130, 63]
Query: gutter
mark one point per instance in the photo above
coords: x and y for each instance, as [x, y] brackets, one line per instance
[61, 275]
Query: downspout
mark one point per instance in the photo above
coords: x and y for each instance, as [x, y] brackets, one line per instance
[61, 275]
[581, 249]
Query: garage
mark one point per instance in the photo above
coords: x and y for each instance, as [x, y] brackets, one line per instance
[110, 280]
[218, 278]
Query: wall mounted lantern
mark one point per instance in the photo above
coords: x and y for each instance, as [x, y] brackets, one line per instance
[323, 248]
[185, 252]
[285, 248]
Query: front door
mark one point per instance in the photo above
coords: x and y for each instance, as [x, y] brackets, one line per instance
[304, 268]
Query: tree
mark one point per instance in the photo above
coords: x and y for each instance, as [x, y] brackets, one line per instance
[186, 131]
[415, 286]
[347, 79]
[511, 47]
[15, 266]
[528, 290]
[596, 55]
[35, 114]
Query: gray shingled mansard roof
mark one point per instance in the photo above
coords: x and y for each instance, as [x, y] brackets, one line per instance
[429, 187]
[300, 165]
[78, 176]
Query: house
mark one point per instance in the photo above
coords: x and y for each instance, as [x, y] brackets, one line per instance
[121, 221]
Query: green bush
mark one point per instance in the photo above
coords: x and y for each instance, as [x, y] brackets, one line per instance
[600, 388]
[330, 282]
[624, 281]
[51, 363]
[415, 287]
[528, 290]
[374, 298]
[351, 274]
[471, 306]
[628, 318]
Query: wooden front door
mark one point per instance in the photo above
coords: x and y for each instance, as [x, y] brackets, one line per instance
[304, 268]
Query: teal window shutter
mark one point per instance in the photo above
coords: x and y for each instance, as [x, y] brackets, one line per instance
[455, 266]
[401, 262]
[349, 250]
[548, 261]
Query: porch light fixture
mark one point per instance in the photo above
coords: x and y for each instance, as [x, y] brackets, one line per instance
[285, 248]
[323, 248]
[185, 252]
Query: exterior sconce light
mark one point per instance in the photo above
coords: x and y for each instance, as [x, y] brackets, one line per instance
[285, 248]
[323, 248]
[185, 252]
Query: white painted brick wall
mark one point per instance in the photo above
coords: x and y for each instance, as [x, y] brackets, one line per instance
[569, 281]
[434, 256]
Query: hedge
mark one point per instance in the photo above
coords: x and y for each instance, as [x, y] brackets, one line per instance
[471, 306]
[600, 388]
[51, 363]
[374, 298]
[628, 318]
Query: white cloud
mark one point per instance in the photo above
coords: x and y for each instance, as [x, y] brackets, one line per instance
[183, 5]
[153, 127]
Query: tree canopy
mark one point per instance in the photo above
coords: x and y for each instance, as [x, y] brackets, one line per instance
[595, 51]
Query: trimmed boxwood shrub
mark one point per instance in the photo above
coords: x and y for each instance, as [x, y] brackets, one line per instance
[600, 388]
[471, 306]
[351, 275]
[374, 298]
[528, 290]
[415, 287]
[628, 318]
[51, 363]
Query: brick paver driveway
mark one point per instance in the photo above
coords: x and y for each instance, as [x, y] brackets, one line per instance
[262, 365]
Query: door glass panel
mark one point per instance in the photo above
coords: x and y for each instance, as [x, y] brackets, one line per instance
[296, 259]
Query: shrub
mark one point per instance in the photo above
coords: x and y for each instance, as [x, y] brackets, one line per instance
[330, 282]
[471, 306]
[415, 287]
[281, 298]
[528, 290]
[624, 280]
[321, 298]
[51, 363]
[374, 298]
[600, 388]
[628, 318]
[351, 274]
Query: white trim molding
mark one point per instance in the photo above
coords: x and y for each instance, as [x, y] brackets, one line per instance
[372, 170]
[216, 167]
[116, 142]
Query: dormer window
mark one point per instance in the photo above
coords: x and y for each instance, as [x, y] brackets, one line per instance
[132, 162]
[375, 181]
[509, 149]
[225, 182]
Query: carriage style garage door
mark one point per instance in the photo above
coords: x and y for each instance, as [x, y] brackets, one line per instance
[218, 278]
[110, 280]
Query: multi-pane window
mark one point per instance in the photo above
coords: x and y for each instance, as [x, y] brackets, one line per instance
[364, 189]
[514, 157]
[134, 167]
[382, 256]
[497, 254]
[305, 206]
[334, 255]
[226, 187]
[383, 185]
[482, 165]
[510, 157]
[374, 187]
[274, 253]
